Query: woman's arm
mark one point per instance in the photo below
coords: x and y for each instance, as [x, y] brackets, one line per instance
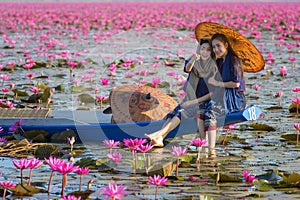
[197, 101]
[189, 66]
[229, 84]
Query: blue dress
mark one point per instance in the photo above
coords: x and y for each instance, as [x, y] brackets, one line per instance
[234, 98]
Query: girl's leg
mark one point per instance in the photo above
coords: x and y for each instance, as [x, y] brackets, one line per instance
[201, 130]
[157, 137]
[212, 135]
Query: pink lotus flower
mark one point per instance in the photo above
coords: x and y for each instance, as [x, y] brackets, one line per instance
[248, 177]
[157, 180]
[297, 102]
[53, 163]
[114, 191]
[64, 169]
[256, 87]
[3, 140]
[145, 148]
[34, 163]
[283, 71]
[198, 143]
[71, 141]
[81, 171]
[104, 81]
[35, 90]
[133, 144]
[181, 94]
[111, 144]
[155, 81]
[178, 152]
[115, 157]
[171, 73]
[15, 126]
[101, 98]
[6, 185]
[278, 95]
[71, 197]
[297, 127]
[22, 164]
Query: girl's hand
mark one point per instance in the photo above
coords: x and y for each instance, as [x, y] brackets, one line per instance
[196, 56]
[189, 103]
[212, 81]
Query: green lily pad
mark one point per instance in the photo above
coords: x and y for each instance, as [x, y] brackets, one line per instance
[293, 108]
[20, 93]
[262, 185]
[292, 179]
[262, 127]
[87, 162]
[224, 178]
[77, 88]
[26, 190]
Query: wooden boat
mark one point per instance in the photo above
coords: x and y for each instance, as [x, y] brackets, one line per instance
[94, 126]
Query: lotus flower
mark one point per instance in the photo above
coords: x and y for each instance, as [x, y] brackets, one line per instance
[34, 163]
[111, 144]
[22, 164]
[157, 180]
[6, 185]
[248, 177]
[178, 152]
[81, 171]
[114, 191]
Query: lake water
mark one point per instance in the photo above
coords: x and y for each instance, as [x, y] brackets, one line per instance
[254, 151]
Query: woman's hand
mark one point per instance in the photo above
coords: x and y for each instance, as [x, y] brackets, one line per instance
[213, 81]
[189, 103]
[196, 56]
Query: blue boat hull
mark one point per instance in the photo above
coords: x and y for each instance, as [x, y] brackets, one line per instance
[97, 132]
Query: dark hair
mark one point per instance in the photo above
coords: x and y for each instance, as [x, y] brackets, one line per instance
[233, 56]
[202, 41]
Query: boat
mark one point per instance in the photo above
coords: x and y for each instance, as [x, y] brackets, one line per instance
[94, 126]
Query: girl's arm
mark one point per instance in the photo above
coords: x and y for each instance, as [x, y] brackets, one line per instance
[190, 64]
[229, 84]
[197, 101]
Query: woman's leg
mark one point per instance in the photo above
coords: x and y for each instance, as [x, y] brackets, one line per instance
[201, 130]
[212, 135]
[157, 137]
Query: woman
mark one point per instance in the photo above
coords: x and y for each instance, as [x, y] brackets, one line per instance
[200, 67]
[232, 74]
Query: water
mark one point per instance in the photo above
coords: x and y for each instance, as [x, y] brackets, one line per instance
[256, 151]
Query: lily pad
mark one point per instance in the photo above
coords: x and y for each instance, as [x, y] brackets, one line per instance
[262, 127]
[26, 190]
[292, 179]
[77, 88]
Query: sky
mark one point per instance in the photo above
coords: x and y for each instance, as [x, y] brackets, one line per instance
[149, 1]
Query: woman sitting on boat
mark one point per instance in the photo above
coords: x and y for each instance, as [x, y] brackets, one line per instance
[198, 100]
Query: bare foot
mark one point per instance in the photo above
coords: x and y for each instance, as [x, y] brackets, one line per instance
[212, 153]
[157, 142]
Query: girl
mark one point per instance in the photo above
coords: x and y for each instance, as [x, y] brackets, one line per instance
[232, 75]
[200, 67]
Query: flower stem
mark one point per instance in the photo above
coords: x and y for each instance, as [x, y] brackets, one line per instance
[297, 138]
[50, 181]
[145, 163]
[80, 183]
[156, 192]
[177, 163]
[30, 175]
[198, 159]
[4, 193]
[21, 177]
[63, 184]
